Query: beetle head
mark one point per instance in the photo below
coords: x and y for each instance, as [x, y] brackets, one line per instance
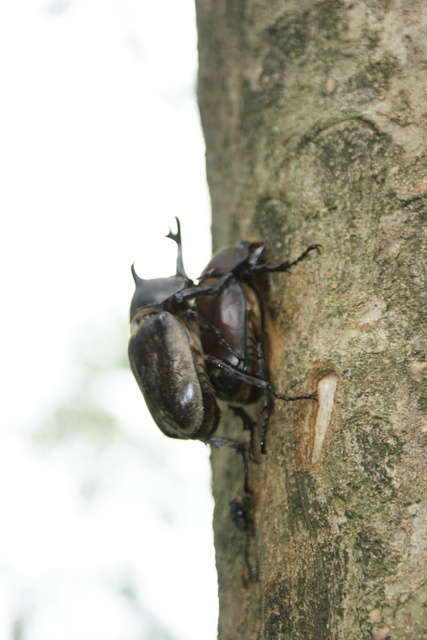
[151, 293]
[154, 292]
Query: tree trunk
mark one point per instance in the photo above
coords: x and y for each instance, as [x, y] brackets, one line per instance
[315, 119]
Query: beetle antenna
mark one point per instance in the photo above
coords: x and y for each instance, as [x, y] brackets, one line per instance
[180, 271]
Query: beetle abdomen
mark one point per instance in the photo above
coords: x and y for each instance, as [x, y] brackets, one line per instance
[163, 357]
[236, 313]
[227, 313]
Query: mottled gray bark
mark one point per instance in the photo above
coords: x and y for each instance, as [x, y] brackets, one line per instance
[315, 118]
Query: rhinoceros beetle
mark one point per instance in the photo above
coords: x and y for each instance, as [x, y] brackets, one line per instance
[192, 345]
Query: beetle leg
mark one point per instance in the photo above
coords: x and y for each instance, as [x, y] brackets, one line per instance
[267, 409]
[248, 425]
[185, 294]
[195, 315]
[284, 266]
[256, 382]
[268, 402]
[239, 447]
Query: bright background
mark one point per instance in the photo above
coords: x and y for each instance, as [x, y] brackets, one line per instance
[105, 530]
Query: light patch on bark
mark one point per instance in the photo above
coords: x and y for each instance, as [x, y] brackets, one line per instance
[381, 634]
[400, 112]
[418, 370]
[325, 397]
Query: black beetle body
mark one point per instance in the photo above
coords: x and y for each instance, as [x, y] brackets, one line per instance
[166, 357]
[237, 312]
[192, 344]
[168, 366]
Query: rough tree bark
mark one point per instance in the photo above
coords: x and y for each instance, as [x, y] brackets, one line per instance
[315, 116]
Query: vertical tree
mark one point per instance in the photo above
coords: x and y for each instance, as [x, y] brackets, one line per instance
[315, 116]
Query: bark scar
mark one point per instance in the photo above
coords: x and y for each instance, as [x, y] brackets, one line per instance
[326, 388]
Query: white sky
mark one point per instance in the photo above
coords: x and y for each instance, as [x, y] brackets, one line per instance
[100, 147]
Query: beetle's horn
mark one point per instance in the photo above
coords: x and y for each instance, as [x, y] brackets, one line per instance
[136, 277]
[180, 271]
